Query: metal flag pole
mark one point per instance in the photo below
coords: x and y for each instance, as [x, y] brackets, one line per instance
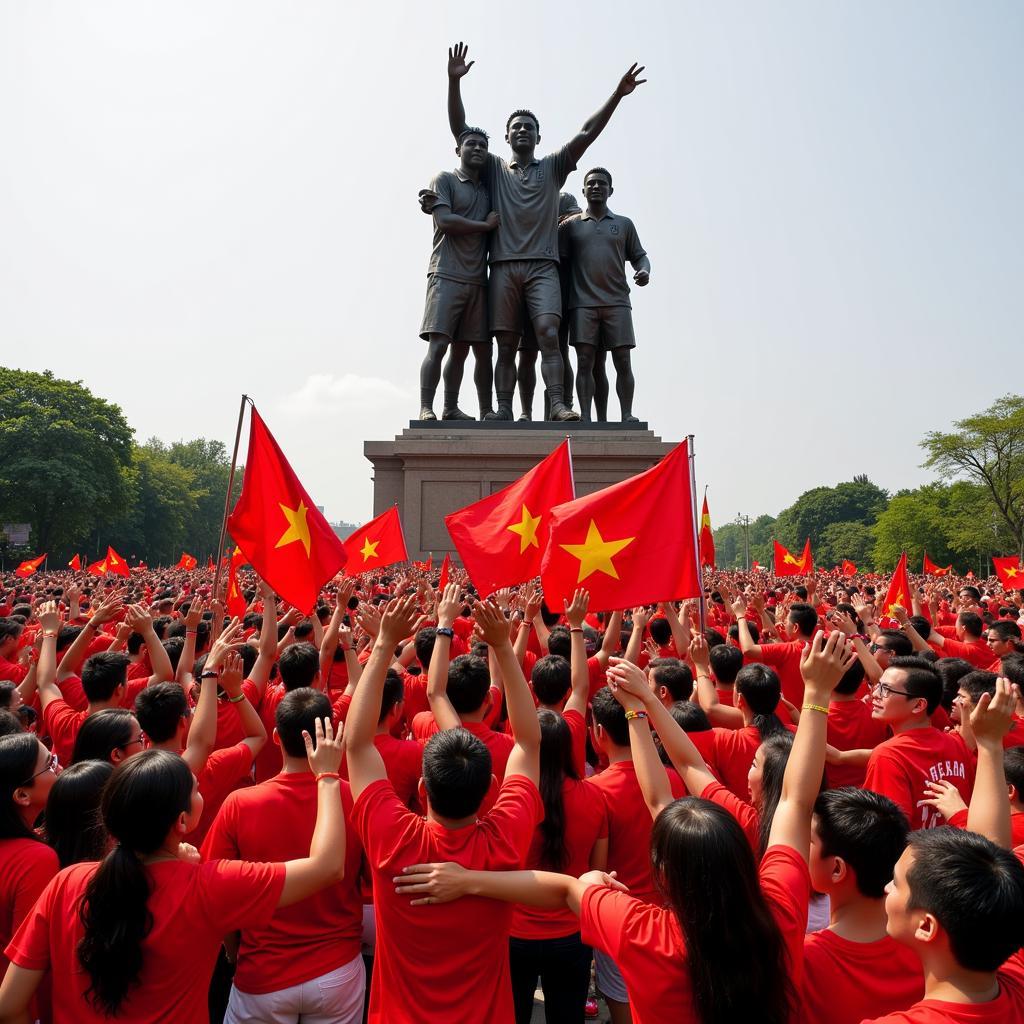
[227, 497]
[693, 528]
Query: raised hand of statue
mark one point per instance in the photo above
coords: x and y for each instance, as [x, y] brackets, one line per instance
[457, 66]
[630, 80]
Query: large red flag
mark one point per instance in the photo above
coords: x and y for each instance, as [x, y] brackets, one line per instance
[275, 523]
[186, 561]
[116, 564]
[849, 569]
[446, 571]
[26, 569]
[97, 568]
[787, 564]
[501, 537]
[75, 563]
[931, 569]
[380, 542]
[629, 544]
[1009, 571]
[707, 538]
[899, 592]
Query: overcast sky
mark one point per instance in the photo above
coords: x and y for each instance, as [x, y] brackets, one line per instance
[202, 197]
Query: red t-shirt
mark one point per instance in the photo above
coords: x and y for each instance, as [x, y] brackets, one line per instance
[193, 907]
[447, 962]
[977, 652]
[61, 723]
[744, 813]
[403, 761]
[646, 942]
[899, 768]
[705, 743]
[845, 982]
[629, 825]
[500, 744]
[71, 690]
[12, 671]
[959, 820]
[785, 659]
[26, 867]
[732, 754]
[851, 727]
[597, 675]
[586, 821]
[578, 730]
[268, 761]
[225, 771]
[274, 822]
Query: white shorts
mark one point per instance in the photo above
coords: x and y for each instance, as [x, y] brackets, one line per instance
[610, 982]
[333, 998]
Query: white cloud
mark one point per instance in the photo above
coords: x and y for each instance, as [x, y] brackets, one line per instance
[325, 394]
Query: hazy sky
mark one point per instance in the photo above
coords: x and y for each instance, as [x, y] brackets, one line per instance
[204, 198]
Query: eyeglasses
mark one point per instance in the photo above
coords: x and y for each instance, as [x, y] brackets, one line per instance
[124, 746]
[884, 689]
[52, 765]
[875, 648]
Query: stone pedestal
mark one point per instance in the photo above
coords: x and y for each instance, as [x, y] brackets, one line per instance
[432, 469]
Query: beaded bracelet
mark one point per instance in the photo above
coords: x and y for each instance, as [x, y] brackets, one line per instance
[236, 700]
[328, 775]
[815, 707]
[630, 715]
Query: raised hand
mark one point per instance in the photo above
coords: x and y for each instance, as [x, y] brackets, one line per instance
[49, 617]
[533, 604]
[457, 66]
[576, 609]
[195, 613]
[228, 641]
[823, 663]
[325, 754]
[449, 606]
[993, 715]
[368, 620]
[491, 626]
[700, 654]
[626, 678]
[627, 84]
[399, 619]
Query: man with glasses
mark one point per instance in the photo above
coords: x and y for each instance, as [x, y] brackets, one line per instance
[905, 698]
[1003, 638]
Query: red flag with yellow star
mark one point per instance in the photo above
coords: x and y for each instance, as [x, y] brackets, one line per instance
[707, 538]
[380, 542]
[76, 563]
[899, 592]
[501, 538]
[26, 569]
[787, 564]
[186, 561]
[1009, 571]
[629, 544]
[931, 569]
[97, 568]
[236, 603]
[280, 531]
[116, 564]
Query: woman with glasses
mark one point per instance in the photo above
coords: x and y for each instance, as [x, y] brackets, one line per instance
[113, 735]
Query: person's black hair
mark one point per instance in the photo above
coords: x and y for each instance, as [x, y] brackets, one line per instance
[762, 691]
[424, 644]
[298, 665]
[1013, 769]
[19, 753]
[160, 626]
[1006, 630]
[660, 630]
[7, 691]
[848, 609]
[66, 636]
[298, 711]
[867, 830]
[852, 680]
[726, 661]
[473, 131]
[174, 646]
[556, 765]
[456, 773]
[921, 680]
[921, 626]
[713, 637]
[611, 716]
[1012, 666]
[560, 642]
[972, 624]
[10, 627]
[974, 889]
[527, 113]
[675, 675]
[897, 643]
[140, 804]
[690, 717]
[951, 671]
[973, 591]
[551, 678]
[978, 682]
[804, 617]
[103, 733]
[551, 619]
[134, 643]
[775, 753]
[392, 694]
[598, 170]
[102, 674]
[74, 827]
[704, 867]
[159, 708]
[10, 722]
[469, 682]
[800, 591]
[753, 628]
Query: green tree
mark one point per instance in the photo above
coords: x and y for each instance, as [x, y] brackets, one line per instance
[988, 450]
[853, 501]
[845, 540]
[62, 452]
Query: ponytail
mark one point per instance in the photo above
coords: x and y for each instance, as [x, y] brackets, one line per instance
[556, 766]
[762, 690]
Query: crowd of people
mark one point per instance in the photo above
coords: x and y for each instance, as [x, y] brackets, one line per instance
[783, 802]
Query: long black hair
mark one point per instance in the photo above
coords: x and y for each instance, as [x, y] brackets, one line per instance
[704, 867]
[140, 804]
[762, 690]
[103, 733]
[18, 756]
[556, 766]
[74, 827]
[774, 757]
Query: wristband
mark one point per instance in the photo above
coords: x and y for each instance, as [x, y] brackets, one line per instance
[210, 675]
[328, 775]
[859, 636]
[48, 635]
[630, 715]
[237, 699]
[191, 632]
[815, 707]
[575, 629]
[445, 631]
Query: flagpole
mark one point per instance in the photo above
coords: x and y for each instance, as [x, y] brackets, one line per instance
[693, 528]
[227, 497]
[572, 475]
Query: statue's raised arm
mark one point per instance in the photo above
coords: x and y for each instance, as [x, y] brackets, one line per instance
[457, 70]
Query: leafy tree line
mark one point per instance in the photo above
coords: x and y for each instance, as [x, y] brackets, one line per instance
[71, 467]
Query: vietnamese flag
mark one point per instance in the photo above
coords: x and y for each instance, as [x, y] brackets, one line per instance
[380, 542]
[502, 537]
[236, 602]
[931, 569]
[899, 592]
[97, 568]
[787, 564]
[427, 565]
[707, 538]
[629, 544]
[1009, 571]
[116, 564]
[446, 570]
[75, 563]
[26, 569]
[849, 569]
[278, 527]
[186, 561]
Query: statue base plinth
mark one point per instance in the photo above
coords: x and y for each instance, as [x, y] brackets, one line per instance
[436, 467]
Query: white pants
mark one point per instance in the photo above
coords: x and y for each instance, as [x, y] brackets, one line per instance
[334, 998]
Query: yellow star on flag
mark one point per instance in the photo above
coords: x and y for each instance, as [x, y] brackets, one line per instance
[527, 530]
[596, 553]
[790, 560]
[1010, 573]
[298, 528]
[369, 549]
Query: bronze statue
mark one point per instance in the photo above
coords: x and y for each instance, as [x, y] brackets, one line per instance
[598, 244]
[523, 252]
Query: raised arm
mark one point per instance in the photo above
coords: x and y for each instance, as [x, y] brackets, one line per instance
[989, 810]
[231, 682]
[46, 667]
[575, 613]
[142, 622]
[636, 638]
[202, 733]
[457, 70]
[595, 124]
[437, 675]
[73, 657]
[612, 638]
[707, 694]
[679, 624]
[746, 641]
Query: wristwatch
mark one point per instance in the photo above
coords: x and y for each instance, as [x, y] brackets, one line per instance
[445, 631]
